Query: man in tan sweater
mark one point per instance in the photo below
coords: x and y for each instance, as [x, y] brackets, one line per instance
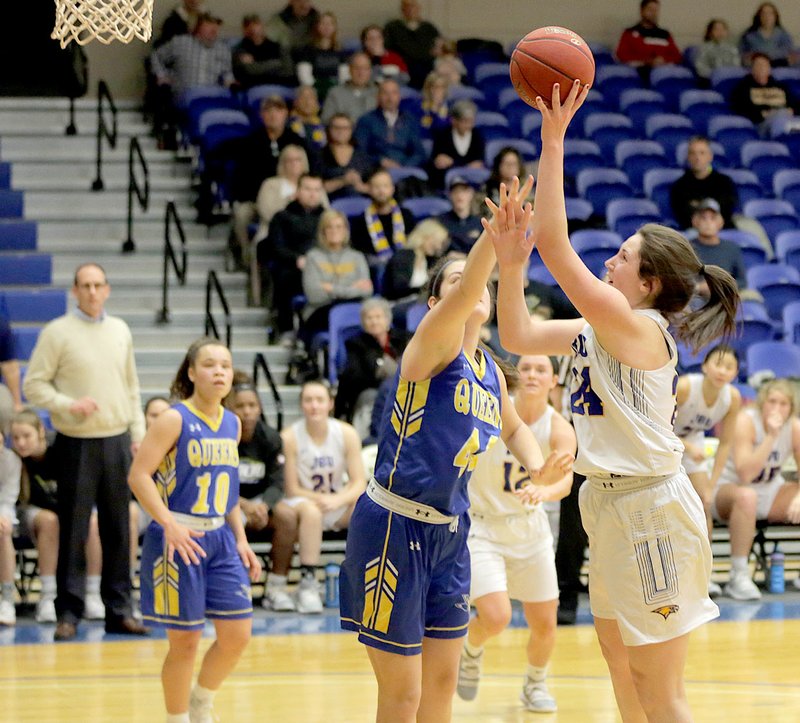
[82, 371]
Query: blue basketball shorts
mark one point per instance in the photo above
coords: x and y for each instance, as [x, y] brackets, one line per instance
[402, 579]
[180, 596]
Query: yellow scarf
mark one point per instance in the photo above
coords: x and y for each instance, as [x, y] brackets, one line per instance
[312, 129]
[379, 241]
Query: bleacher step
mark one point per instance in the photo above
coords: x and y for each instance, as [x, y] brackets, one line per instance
[86, 205]
[140, 262]
[182, 337]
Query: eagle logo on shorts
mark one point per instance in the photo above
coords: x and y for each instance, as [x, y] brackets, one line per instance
[666, 610]
[464, 604]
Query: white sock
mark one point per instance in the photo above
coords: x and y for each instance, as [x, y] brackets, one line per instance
[203, 695]
[93, 585]
[177, 718]
[48, 586]
[276, 581]
[473, 651]
[8, 590]
[739, 565]
[537, 675]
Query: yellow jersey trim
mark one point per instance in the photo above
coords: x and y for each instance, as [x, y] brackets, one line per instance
[213, 425]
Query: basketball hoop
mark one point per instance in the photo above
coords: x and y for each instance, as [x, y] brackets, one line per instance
[104, 20]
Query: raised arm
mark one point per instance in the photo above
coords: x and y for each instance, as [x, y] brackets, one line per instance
[751, 458]
[726, 435]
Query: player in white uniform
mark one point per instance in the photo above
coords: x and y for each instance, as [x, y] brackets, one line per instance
[751, 486]
[650, 559]
[705, 400]
[320, 451]
[510, 541]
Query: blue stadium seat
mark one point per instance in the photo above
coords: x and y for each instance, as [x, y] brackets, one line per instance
[752, 326]
[24, 340]
[507, 97]
[608, 129]
[595, 103]
[579, 154]
[774, 215]
[414, 315]
[787, 248]
[26, 269]
[702, 105]
[641, 103]
[12, 204]
[791, 323]
[475, 176]
[531, 125]
[490, 70]
[636, 157]
[724, 79]
[779, 357]
[595, 246]
[200, 105]
[466, 92]
[188, 96]
[747, 185]
[720, 157]
[603, 55]
[528, 150]
[612, 80]
[518, 113]
[34, 305]
[753, 251]
[578, 209]
[789, 76]
[732, 131]
[765, 159]
[786, 186]
[657, 183]
[671, 81]
[401, 173]
[257, 93]
[541, 274]
[427, 206]
[18, 235]
[493, 125]
[778, 284]
[351, 205]
[601, 185]
[689, 361]
[5, 175]
[221, 116]
[670, 130]
[626, 215]
[344, 322]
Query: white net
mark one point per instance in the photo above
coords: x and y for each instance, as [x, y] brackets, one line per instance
[103, 20]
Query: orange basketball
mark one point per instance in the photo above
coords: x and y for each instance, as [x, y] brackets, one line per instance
[550, 55]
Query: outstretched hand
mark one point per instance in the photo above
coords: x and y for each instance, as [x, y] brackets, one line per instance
[554, 468]
[556, 119]
[508, 227]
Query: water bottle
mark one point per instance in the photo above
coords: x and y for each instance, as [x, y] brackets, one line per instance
[776, 568]
[331, 585]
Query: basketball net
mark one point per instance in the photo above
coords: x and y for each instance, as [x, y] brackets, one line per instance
[104, 20]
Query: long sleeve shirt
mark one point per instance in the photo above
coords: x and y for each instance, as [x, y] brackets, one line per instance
[342, 269]
[189, 63]
[10, 470]
[400, 143]
[640, 45]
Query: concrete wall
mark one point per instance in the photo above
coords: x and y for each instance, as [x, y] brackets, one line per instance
[121, 66]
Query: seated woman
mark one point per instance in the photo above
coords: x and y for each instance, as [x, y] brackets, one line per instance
[766, 35]
[333, 273]
[276, 192]
[406, 271]
[507, 164]
[435, 110]
[261, 489]
[459, 145]
[342, 165]
[320, 452]
[751, 486]
[304, 118]
[717, 50]
[318, 63]
[385, 63]
[371, 358]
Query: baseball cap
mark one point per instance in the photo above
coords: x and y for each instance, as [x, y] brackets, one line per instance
[458, 181]
[707, 204]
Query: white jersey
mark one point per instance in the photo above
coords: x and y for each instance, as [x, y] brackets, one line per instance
[623, 416]
[321, 468]
[779, 454]
[694, 415]
[498, 474]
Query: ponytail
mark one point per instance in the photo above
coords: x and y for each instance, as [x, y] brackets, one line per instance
[717, 317]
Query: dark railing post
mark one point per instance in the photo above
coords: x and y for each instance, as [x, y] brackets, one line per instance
[213, 285]
[103, 131]
[171, 218]
[260, 365]
[142, 193]
[71, 129]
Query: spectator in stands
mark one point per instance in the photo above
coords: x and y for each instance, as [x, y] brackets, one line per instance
[83, 372]
[9, 491]
[10, 394]
[319, 452]
[304, 118]
[333, 273]
[407, 270]
[180, 21]
[447, 63]
[459, 144]
[768, 37]
[258, 60]
[751, 486]
[414, 39]
[291, 236]
[371, 358]
[760, 97]
[38, 518]
[701, 181]
[384, 226]
[385, 63]
[261, 489]
[318, 63]
[711, 249]
[357, 96]
[256, 157]
[717, 51]
[342, 165]
[388, 135]
[506, 164]
[188, 61]
[646, 45]
[292, 28]
[435, 110]
[463, 226]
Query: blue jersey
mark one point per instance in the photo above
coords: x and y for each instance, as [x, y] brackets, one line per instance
[200, 474]
[436, 430]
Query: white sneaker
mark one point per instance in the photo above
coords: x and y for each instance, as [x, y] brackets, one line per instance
[276, 598]
[309, 600]
[469, 675]
[8, 613]
[536, 698]
[93, 608]
[714, 590]
[46, 610]
[741, 587]
[796, 583]
[200, 711]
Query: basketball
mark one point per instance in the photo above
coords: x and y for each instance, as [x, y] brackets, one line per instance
[550, 55]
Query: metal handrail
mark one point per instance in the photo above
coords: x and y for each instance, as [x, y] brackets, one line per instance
[212, 284]
[103, 131]
[72, 128]
[171, 218]
[142, 193]
[260, 364]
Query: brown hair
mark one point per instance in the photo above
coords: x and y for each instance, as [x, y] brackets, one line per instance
[242, 382]
[784, 386]
[27, 416]
[182, 387]
[666, 256]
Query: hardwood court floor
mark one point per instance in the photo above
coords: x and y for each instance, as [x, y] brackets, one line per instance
[738, 671]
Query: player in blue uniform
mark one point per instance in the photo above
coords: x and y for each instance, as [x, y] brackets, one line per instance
[406, 574]
[185, 475]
